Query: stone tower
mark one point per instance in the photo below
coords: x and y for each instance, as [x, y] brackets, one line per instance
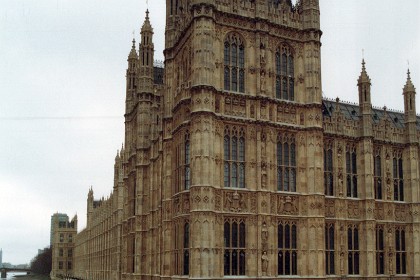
[242, 78]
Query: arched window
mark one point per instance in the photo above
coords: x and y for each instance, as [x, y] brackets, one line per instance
[380, 250]
[351, 171]
[377, 174]
[187, 169]
[328, 170]
[286, 164]
[398, 176]
[234, 64]
[329, 250]
[235, 250]
[287, 248]
[234, 158]
[186, 261]
[353, 250]
[400, 251]
[285, 79]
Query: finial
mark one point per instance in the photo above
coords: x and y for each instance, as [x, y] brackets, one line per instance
[363, 65]
[147, 14]
[408, 70]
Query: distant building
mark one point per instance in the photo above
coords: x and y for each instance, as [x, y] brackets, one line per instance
[1, 257]
[57, 217]
[62, 244]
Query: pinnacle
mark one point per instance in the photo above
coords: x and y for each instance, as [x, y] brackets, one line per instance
[364, 77]
[409, 87]
[133, 52]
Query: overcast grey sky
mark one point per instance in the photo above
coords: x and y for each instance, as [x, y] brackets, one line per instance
[62, 79]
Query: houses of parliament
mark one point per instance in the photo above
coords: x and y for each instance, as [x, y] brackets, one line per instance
[235, 167]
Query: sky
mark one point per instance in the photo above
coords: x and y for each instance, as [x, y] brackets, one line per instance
[62, 88]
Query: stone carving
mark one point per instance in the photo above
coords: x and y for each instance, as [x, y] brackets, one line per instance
[264, 263]
[264, 236]
[218, 200]
[400, 213]
[353, 210]
[253, 204]
[329, 208]
[288, 205]
[235, 202]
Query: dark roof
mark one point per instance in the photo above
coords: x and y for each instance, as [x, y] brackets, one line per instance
[351, 112]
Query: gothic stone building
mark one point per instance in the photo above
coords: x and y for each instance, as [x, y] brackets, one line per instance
[234, 165]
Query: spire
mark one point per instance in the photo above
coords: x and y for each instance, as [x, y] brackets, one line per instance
[409, 87]
[146, 25]
[133, 52]
[364, 77]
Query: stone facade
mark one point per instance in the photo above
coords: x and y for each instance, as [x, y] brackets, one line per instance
[235, 166]
[63, 233]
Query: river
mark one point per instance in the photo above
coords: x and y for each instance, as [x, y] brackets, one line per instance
[22, 276]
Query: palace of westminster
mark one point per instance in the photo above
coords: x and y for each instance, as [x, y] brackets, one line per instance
[235, 167]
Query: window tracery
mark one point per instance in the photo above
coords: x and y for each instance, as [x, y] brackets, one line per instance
[329, 249]
[377, 173]
[234, 158]
[400, 251]
[182, 163]
[351, 170]
[328, 169]
[286, 163]
[234, 246]
[353, 249]
[397, 164]
[285, 73]
[234, 63]
[287, 248]
[380, 250]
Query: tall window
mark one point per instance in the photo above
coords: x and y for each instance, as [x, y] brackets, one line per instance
[398, 178]
[132, 193]
[186, 266]
[61, 237]
[187, 170]
[400, 251]
[131, 249]
[234, 243]
[70, 253]
[377, 175]
[61, 252]
[351, 170]
[182, 164]
[234, 64]
[285, 80]
[234, 158]
[328, 170]
[329, 249]
[287, 248]
[353, 250]
[380, 250]
[286, 164]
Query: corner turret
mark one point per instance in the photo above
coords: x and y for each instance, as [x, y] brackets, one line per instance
[409, 93]
[131, 78]
[364, 86]
[311, 14]
[145, 83]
